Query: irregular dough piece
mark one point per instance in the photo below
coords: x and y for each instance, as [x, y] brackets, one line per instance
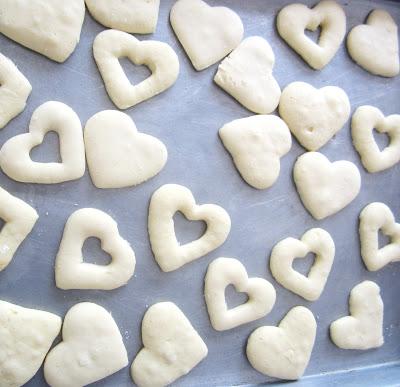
[117, 154]
[15, 160]
[206, 33]
[92, 348]
[314, 116]
[246, 74]
[159, 57]
[26, 336]
[228, 271]
[256, 144]
[171, 347]
[71, 270]
[284, 351]
[363, 328]
[49, 27]
[310, 287]
[165, 202]
[324, 187]
[293, 19]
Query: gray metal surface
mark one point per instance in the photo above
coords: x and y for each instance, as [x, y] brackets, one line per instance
[187, 118]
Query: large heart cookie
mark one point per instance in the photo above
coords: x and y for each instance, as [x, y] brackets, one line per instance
[314, 116]
[165, 202]
[207, 34]
[284, 351]
[171, 347]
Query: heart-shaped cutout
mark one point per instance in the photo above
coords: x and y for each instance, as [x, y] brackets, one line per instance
[165, 202]
[71, 270]
[228, 271]
[159, 57]
[284, 351]
[310, 287]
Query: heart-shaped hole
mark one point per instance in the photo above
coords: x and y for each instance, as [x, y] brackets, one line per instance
[234, 298]
[383, 239]
[313, 35]
[135, 73]
[93, 253]
[188, 230]
[381, 139]
[48, 151]
[303, 265]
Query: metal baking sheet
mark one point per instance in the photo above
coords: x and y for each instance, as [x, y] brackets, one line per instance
[187, 118]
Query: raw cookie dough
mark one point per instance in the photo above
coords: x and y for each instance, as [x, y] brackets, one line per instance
[159, 57]
[206, 33]
[316, 241]
[294, 19]
[229, 271]
[256, 145]
[171, 347]
[314, 116]
[71, 270]
[49, 27]
[15, 160]
[363, 328]
[117, 154]
[165, 202]
[246, 74]
[26, 336]
[92, 348]
[284, 351]
[324, 187]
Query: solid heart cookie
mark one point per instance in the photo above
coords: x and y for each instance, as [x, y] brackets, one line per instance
[207, 34]
[228, 271]
[246, 74]
[363, 328]
[171, 347]
[165, 202]
[284, 351]
[71, 270]
[159, 57]
[15, 160]
[256, 145]
[294, 19]
[314, 116]
[117, 154]
[316, 241]
[92, 348]
[324, 187]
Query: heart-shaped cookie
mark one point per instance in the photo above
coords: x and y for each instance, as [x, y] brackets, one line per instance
[316, 241]
[117, 154]
[165, 202]
[314, 116]
[294, 19]
[284, 351]
[256, 145]
[207, 34]
[363, 328]
[92, 348]
[159, 57]
[324, 187]
[171, 347]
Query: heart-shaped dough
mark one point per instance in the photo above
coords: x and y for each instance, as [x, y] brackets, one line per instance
[92, 348]
[117, 155]
[314, 116]
[363, 328]
[26, 336]
[256, 144]
[284, 351]
[16, 162]
[171, 347]
[49, 27]
[207, 34]
[71, 270]
[159, 57]
[228, 271]
[293, 19]
[375, 46]
[324, 187]
[165, 202]
[316, 241]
